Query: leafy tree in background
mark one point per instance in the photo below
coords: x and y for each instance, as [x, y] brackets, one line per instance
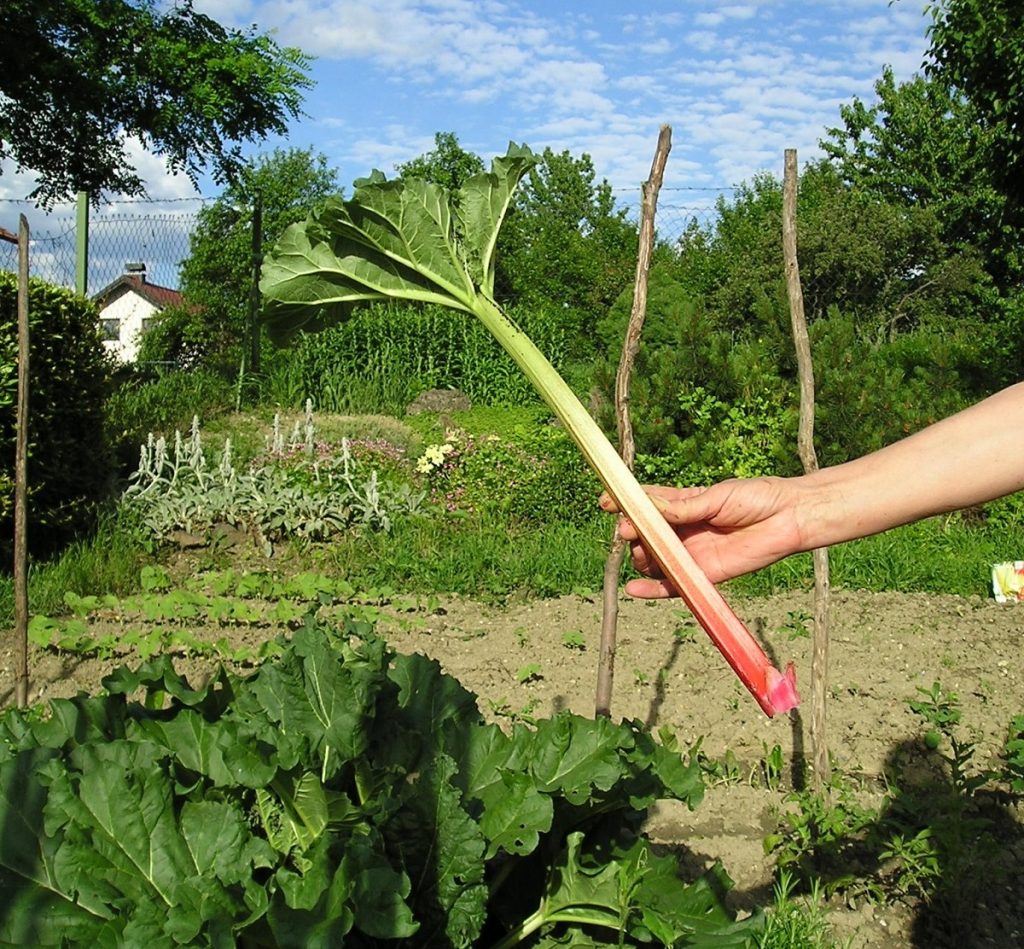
[216, 277]
[922, 146]
[977, 50]
[80, 75]
[448, 164]
[566, 244]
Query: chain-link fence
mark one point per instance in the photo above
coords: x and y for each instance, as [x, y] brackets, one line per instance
[156, 233]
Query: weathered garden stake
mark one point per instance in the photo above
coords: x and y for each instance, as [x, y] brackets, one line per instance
[21, 473]
[805, 445]
[630, 345]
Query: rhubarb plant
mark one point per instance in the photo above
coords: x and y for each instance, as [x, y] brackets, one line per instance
[342, 795]
[413, 240]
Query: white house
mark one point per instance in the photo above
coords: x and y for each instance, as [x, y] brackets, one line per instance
[126, 305]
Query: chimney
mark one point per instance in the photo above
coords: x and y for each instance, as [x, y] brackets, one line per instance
[136, 269]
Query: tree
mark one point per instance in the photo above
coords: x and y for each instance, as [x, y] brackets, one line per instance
[920, 145]
[79, 76]
[448, 164]
[977, 49]
[565, 244]
[216, 278]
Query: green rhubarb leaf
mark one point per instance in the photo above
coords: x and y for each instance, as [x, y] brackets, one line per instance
[125, 805]
[380, 894]
[219, 750]
[441, 849]
[312, 696]
[514, 815]
[638, 896]
[220, 841]
[693, 914]
[159, 675]
[35, 908]
[431, 714]
[576, 756]
[392, 240]
[483, 202]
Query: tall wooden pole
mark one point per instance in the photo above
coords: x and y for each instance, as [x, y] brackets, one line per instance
[809, 459]
[630, 346]
[21, 479]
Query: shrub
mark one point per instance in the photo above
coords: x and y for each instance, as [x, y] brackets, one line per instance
[531, 475]
[142, 404]
[69, 467]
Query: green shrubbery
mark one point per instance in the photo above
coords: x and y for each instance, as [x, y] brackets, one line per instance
[69, 467]
[529, 476]
[142, 404]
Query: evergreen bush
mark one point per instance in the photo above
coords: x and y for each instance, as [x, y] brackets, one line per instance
[69, 465]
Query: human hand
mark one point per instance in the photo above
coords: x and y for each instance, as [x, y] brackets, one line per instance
[730, 528]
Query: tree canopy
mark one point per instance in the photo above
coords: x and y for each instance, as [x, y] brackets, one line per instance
[977, 48]
[447, 164]
[217, 275]
[79, 76]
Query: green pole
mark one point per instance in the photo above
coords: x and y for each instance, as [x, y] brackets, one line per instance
[254, 287]
[82, 244]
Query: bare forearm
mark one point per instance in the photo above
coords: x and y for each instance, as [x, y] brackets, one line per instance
[974, 456]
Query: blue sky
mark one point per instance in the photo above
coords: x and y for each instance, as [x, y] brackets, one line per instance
[738, 82]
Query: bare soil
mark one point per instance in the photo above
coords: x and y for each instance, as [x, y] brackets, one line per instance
[530, 659]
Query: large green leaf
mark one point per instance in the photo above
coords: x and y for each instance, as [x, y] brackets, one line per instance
[219, 750]
[575, 756]
[441, 848]
[34, 908]
[311, 695]
[638, 895]
[391, 240]
[484, 201]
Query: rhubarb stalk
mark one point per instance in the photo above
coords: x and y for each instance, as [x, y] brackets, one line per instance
[403, 240]
[775, 692]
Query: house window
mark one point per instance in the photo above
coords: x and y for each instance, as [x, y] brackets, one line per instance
[111, 329]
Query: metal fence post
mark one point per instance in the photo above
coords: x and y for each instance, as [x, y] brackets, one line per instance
[82, 244]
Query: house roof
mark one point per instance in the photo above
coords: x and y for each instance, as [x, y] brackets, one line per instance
[157, 296]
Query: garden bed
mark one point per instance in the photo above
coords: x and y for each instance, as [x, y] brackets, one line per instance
[529, 659]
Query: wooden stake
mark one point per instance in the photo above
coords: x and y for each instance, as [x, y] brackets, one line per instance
[805, 442]
[21, 480]
[630, 346]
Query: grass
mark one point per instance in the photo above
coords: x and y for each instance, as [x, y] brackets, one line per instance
[473, 556]
[490, 559]
[938, 555]
[793, 922]
[108, 561]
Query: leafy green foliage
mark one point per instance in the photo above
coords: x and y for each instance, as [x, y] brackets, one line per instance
[341, 793]
[921, 146]
[141, 404]
[529, 476]
[69, 465]
[175, 488]
[188, 88]
[977, 49]
[447, 165]
[566, 246]
[1013, 754]
[217, 275]
[383, 356]
[408, 240]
